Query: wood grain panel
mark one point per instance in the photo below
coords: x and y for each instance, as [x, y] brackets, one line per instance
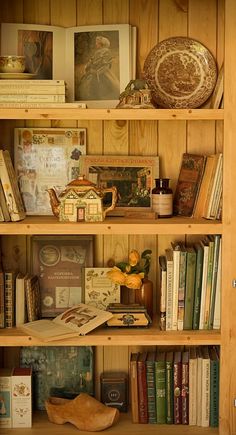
[116, 137]
[14, 253]
[89, 12]
[115, 11]
[37, 12]
[11, 11]
[172, 19]
[143, 138]
[116, 359]
[63, 13]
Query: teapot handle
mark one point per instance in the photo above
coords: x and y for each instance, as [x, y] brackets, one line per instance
[113, 190]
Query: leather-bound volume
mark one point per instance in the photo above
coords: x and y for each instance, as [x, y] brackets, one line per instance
[142, 388]
[177, 380]
[185, 388]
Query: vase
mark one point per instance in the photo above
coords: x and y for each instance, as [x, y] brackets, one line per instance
[127, 295]
[144, 295]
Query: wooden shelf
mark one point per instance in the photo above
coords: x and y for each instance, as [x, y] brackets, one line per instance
[112, 225]
[124, 426]
[104, 336]
[64, 112]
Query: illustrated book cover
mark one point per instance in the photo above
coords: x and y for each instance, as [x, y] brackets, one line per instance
[77, 320]
[99, 290]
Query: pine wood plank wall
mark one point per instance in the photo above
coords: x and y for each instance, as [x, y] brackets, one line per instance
[155, 21]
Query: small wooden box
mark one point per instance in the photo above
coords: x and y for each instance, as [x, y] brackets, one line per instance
[114, 390]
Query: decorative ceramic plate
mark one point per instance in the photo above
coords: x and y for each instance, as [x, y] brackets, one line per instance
[17, 76]
[181, 73]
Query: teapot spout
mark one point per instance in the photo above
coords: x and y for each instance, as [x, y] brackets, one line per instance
[54, 202]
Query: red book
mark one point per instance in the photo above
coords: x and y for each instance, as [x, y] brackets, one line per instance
[142, 388]
[185, 387]
[177, 387]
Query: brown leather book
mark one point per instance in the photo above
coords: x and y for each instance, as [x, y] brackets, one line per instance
[177, 387]
[134, 387]
[185, 387]
[142, 388]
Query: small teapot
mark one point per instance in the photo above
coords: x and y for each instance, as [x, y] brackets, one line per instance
[81, 201]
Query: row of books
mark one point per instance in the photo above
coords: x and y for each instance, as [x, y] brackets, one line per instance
[176, 387]
[11, 204]
[16, 397]
[199, 186]
[190, 285]
[19, 298]
[32, 91]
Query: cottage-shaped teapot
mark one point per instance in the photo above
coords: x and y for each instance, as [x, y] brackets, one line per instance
[81, 201]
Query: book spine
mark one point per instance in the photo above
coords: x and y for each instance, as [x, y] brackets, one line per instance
[142, 392]
[31, 89]
[199, 389]
[22, 402]
[22, 98]
[10, 187]
[160, 382]
[198, 287]
[1, 215]
[43, 105]
[217, 309]
[177, 393]
[163, 297]
[208, 285]
[2, 300]
[176, 258]
[169, 295]
[185, 393]
[214, 280]
[193, 391]
[151, 397]
[3, 204]
[205, 392]
[169, 393]
[214, 393]
[181, 291]
[20, 300]
[5, 393]
[134, 391]
[9, 299]
[36, 82]
[189, 296]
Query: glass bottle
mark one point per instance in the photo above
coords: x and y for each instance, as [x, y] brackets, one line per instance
[162, 198]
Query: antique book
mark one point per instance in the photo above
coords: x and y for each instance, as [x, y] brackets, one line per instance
[205, 380]
[59, 261]
[177, 385]
[142, 388]
[188, 184]
[169, 388]
[45, 158]
[31, 98]
[9, 297]
[217, 308]
[185, 387]
[192, 386]
[3, 205]
[198, 285]
[217, 239]
[17, 87]
[214, 387]
[10, 187]
[199, 385]
[99, 290]
[2, 299]
[205, 244]
[21, 308]
[176, 260]
[217, 96]
[77, 320]
[181, 290]
[134, 387]
[1, 215]
[215, 188]
[163, 281]
[169, 289]
[190, 284]
[59, 371]
[205, 187]
[5, 395]
[32, 296]
[209, 281]
[151, 394]
[160, 385]
[21, 397]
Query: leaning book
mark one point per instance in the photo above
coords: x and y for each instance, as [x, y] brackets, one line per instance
[77, 320]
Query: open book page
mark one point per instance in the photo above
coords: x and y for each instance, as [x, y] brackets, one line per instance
[78, 320]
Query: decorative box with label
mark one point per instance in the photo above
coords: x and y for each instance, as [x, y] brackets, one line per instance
[5, 398]
[21, 397]
[114, 390]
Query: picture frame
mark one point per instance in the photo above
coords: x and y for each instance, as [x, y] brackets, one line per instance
[134, 177]
[99, 290]
[59, 261]
[80, 55]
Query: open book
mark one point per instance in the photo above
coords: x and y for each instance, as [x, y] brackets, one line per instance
[77, 320]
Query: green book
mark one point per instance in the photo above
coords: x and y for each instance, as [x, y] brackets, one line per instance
[151, 394]
[198, 285]
[209, 281]
[214, 387]
[190, 285]
[217, 238]
[169, 388]
[160, 386]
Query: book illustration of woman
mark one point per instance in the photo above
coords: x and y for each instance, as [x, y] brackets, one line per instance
[3, 410]
[99, 81]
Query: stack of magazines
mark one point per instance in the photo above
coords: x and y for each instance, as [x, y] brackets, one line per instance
[32, 91]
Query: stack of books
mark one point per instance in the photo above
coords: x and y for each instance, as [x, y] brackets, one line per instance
[190, 285]
[32, 91]
[176, 387]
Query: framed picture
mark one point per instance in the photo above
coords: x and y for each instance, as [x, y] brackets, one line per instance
[45, 158]
[58, 261]
[134, 178]
[99, 290]
[97, 62]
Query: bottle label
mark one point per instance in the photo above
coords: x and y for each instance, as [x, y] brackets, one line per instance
[163, 204]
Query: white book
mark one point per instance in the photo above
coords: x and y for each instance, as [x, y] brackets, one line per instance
[176, 260]
[217, 310]
[199, 386]
[163, 283]
[33, 82]
[10, 187]
[193, 369]
[204, 284]
[22, 98]
[19, 89]
[169, 289]
[21, 398]
[21, 311]
[205, 402]
[44, 105]
[212, 192]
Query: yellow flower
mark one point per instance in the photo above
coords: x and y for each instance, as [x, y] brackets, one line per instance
[134, 280]
[116, 276]
[134, 257]
[127, 268]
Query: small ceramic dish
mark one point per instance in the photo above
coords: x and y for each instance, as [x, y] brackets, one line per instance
[12, 64]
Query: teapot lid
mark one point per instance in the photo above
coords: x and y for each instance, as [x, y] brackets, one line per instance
[80, 181]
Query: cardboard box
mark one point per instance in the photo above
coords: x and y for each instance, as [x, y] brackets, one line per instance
[22, 397]
[5, 398]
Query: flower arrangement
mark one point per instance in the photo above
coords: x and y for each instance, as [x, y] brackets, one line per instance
[132, 272]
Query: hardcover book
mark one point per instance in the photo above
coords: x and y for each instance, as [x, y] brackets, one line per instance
[177, 384]
[21, 308]
[185, 387]
[59, 262]
[134, 387]
[151, 396]
[188, 184]
[162, 264]
[5, 398]
[62, 371]
[142, 388]
[46, 158]
[99, 290]
[214, 387]
[198, 285]
[2, 299]
[21, 397]
[169, 289]
[77, 320]
[205, 380]
[190, 283]
[169, 388]
[182, 284]
[193, 386]
[32, 296]
[160, 385]
[9, 297]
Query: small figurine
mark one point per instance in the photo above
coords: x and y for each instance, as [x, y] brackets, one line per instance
[136, 96]
[81, 201]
